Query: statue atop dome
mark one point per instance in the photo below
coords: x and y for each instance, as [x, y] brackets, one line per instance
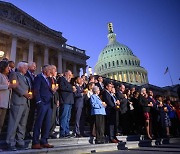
[110, 27]
[111, 35]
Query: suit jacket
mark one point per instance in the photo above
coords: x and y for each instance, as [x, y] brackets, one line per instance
[107, 98]
[31, 78]
[78, 97]
[42, 91]
[22, 88]
[123, 102]
[100, 87]
[55, 95]
[65, 91]
[4, 92]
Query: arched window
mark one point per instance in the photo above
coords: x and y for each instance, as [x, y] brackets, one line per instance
[129, 62]
[109, 64]
[102, 67]
[113, 63]
[126, 62]
[121, 62]
[105, 65]
[117, 63]
[133, 62]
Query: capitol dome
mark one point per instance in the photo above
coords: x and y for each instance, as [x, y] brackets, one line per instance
[117, 61]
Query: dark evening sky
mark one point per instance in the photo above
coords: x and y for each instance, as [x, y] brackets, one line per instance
[150, 28]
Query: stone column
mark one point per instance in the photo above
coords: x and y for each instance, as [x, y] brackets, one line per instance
[60, 62]
[30, 53]
[64, 65]
[13, 49]
[122, 74]
[134, 77]
[8, 50]
[39, 64]
[84, 69]
[46, 56]
[128, 76]
[74, 69]
[25, 55]
[142, 80]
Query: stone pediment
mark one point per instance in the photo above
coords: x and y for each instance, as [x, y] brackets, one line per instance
[10, 12]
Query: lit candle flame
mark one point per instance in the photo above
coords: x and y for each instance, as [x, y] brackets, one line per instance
[13, 81]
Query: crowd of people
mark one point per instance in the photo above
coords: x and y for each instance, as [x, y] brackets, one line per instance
[38, 103]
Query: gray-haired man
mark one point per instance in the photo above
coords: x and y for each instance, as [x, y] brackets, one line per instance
[19, 110]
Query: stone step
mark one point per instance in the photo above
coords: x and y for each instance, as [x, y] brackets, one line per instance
[80, 147]
[82, 140]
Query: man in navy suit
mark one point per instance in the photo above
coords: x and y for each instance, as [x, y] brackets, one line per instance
[30, 122]
[78, 104]
[111, 113]
[66, 100]
[43, 97]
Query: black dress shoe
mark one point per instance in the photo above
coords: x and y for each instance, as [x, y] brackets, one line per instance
[78, 135]
[98, 142]
[11, 148]
[22, 147]
[52, 136]
[28, 136]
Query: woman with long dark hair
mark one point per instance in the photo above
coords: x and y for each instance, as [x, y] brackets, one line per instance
[5, 87]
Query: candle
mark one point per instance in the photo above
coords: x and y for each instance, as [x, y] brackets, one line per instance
[57, 85]
[53, 86]
[30, 93]
[13, 81]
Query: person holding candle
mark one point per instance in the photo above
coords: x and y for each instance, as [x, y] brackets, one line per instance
[5, 90]
[19, 109]
[146, 110]
[30, 122]
[55, 100]
[98, 111]
[66, 99]
[78, 107]
[43, 95]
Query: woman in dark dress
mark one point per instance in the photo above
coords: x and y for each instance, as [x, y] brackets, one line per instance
[146, 111]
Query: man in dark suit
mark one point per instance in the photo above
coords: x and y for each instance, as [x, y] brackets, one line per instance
[100, 83]
[30, 122]
[111, 113]
[55, 101]
[78, 105]
[19, 109]
[66, 100]
[43, 97]
[123, 109]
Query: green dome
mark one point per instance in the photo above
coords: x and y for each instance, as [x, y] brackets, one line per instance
[118, 62]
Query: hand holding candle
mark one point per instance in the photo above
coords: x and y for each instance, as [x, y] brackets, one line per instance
[30, 95]
[14, 82]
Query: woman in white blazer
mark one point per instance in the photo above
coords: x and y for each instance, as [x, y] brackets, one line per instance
[5, 87]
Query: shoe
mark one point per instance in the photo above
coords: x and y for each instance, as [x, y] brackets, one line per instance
[69, 135]
[113, 141]
[52, 136]
[12, 148]
[22, 147]
[78, 135]
[47, 145]
[36, 146]
[28, 136]
[98, 142]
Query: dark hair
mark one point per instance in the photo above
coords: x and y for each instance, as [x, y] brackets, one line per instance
[3, 65]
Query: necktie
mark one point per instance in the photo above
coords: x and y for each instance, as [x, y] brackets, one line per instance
[47, 80]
